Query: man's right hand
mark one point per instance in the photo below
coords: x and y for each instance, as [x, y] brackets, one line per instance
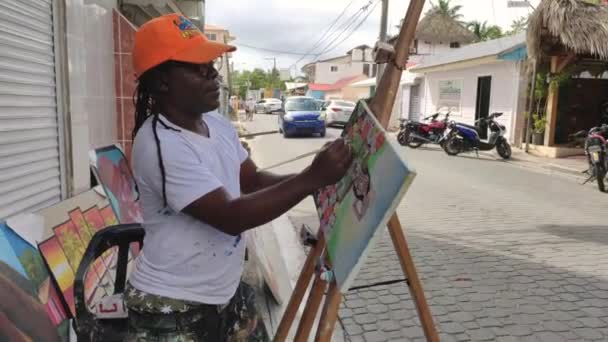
[331, 163]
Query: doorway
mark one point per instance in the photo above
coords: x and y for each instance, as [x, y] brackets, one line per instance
[414, 107]
[482, 107]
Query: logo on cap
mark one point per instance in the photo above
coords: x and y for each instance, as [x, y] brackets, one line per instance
[188, 30]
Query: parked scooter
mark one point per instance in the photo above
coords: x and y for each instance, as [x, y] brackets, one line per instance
[595, 149]
[415, 134]
[465, 138]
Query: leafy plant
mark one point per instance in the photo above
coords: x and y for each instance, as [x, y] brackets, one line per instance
[444, 7]
[483, 32]
[518, 25]
[539, 123]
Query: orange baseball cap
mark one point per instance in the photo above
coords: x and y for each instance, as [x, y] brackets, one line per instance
[173, 37]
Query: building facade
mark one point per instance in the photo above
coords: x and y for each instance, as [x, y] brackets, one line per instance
[358, 61]
[476, 81]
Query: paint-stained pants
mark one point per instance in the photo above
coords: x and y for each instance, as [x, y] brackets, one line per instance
[159, 319]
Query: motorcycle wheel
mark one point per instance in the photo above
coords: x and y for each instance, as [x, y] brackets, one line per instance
[504, 149]
[453, 146]
[600, 174]
[403, 137]
[413, 143]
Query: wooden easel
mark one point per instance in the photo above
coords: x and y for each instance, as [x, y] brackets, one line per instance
[381, 105]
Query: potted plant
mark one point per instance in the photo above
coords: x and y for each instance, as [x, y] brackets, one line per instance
[538, 129]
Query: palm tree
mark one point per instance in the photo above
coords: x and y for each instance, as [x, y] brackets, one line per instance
[443, 7]
[518, 25]
[484, 32]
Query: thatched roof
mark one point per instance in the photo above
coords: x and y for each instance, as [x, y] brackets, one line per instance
[438, 28]
[579, 26]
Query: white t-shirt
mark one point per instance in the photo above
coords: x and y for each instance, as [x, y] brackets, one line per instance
[184, 258]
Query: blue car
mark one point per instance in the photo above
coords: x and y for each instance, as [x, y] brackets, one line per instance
[301, 116]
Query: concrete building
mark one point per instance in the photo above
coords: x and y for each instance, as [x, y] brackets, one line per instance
[475, 81]
[358, 61]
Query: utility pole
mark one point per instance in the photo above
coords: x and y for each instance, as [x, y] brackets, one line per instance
[272, 74]
[383, 29]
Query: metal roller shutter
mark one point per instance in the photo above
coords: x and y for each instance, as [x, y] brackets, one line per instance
[30, 168]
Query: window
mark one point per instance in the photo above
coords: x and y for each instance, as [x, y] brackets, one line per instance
[211, 36]
[454, 45]
[334, 68]
[450, 94]
[414, 47]
[366, 69]
[374, 70]
[300, 104]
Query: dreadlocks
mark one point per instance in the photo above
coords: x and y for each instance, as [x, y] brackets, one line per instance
[146, 105]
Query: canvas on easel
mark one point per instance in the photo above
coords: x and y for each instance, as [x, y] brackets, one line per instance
[352, 210]
[335, 207]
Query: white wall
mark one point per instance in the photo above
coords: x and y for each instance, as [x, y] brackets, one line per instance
[221, 36]
[349, 65]
[503, 96]
[324, 75]
[434, 48]
[90, 54]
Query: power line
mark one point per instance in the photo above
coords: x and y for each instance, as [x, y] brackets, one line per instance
[318, 42]
[271, 50]
[354, 30]
[324, 35]
[345, 27]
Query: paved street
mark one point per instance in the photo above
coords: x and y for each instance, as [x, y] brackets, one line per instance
[505, 253]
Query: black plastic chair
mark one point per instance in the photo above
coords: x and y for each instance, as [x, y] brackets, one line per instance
[87, 326]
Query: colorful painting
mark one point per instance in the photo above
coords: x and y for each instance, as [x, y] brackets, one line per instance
[107, 214]
[68, 229]
[94, 219]
[113, 173]
[98, 280]
[22, 264]
[60, 267]
[352, 210]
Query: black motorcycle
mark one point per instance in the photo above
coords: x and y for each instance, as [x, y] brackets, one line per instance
[595, 149]
[415, 134]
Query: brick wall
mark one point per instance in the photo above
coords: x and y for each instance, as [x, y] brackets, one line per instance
[124, 33]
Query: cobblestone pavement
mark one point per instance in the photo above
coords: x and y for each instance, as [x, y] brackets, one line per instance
[504, 253]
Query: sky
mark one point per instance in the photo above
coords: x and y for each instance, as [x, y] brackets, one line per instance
[295, 26]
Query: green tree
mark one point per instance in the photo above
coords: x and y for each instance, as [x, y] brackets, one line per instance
[484, 32]
[444, 7]
[34, 266]
[256, 79]
[518, 25]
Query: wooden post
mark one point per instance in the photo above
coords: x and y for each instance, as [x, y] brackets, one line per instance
[382, 103]
[300, 290]
[552, 102]
[407, 264]
[327, 322]
[312, 308]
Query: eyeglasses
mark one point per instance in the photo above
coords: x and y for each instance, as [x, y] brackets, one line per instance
[206, 70]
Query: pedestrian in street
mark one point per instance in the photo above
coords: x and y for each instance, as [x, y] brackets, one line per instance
[200, 192]
[250, 108]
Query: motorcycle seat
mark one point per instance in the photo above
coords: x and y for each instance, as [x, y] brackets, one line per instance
[468, 126]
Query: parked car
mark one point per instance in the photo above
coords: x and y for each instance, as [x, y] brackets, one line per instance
[338, 112]
[301, 115]
[268, 106]
[320, 103]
